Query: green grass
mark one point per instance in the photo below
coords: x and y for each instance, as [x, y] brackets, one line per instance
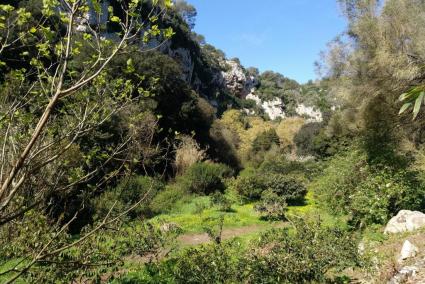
[312, 210]
[7, 266]
[192, 217]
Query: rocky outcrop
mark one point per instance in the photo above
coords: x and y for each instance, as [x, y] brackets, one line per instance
[236, 81]
[310, 113]
[184, 58]
[274, 109]
[405, 221]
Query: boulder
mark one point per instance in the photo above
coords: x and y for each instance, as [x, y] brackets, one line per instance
[405, 221]
[407, 251]
[403, 275]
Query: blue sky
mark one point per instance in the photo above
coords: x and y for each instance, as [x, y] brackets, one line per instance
[285, 36]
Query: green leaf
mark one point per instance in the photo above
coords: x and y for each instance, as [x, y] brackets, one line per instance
[115, 19]
[403, 97]
[418, 104]
[404, 108]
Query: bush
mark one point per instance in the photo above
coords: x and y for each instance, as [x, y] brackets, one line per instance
[265, 140]
[188, 152]
[126, 194]
[272, 206]
[212, 263]
[252, 185]
[368, 194]
[333, 189]
[304, 139]
[222, 201]
[205, 178]
[166, 200]
[292, 190]
[304, 256]
[383, 194]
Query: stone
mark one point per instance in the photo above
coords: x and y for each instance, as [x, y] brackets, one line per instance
[405, 221]
[274, 108]
[309, 112]
[236, 80]
[407, 251]
[404, 274]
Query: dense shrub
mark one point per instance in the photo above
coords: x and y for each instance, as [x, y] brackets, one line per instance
[368, 194]
[333, 189]
[166, 200]
[304, 139]
[212, 263]
[272, 206]
[205, 178]
[265, 140]
[222, 201]
[252, 185]
[383, 193]
[126, 194]
[304, 256]
[286, 187]
[281, 165]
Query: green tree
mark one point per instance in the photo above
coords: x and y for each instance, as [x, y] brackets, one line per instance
[48, 107]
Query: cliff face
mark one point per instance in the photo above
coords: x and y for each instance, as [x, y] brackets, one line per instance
[210, 74]
[237, 81]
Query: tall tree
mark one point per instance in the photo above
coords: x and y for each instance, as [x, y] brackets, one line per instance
[56, 92]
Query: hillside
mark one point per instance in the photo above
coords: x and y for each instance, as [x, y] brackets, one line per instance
[132, 151]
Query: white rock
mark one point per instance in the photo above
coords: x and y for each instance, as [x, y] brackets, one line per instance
[312, 114]
[404, 274]
[274, 108]
[236, 80]
[407, 251]
[361, 248]
[405, 221]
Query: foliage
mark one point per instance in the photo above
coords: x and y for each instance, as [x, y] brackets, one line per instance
[291, 189]
[383, 194]
[222, 201]
[94, 256]
[165, 200]
[272, 206]
[250, 186]
[304, 139]
[265, 140]
[287, 129]
[128, 192]
[188, 152]
[341, 175]
[368, 194]
[205, 178]
[274, 85]
[215, 263]
[304, 256]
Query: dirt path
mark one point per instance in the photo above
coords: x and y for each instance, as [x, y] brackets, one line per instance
[229, 233]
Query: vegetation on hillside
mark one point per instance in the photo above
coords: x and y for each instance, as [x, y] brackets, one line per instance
[124, 157]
